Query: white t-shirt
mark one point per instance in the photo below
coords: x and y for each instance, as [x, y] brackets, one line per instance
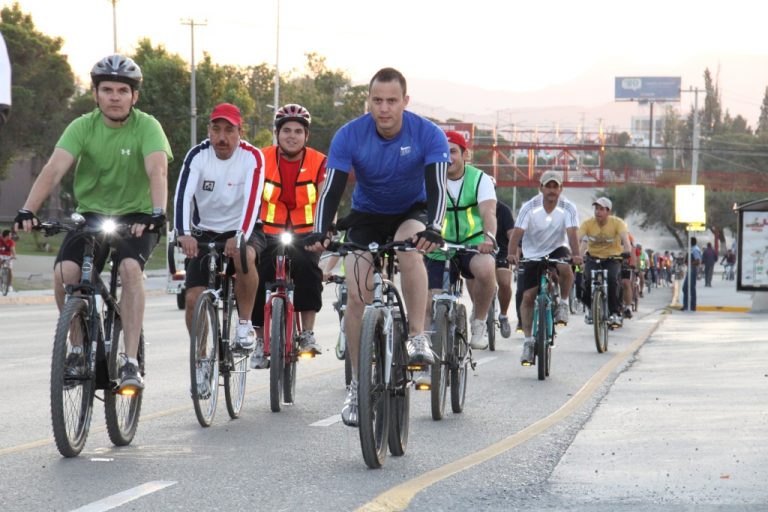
[219, 195]
[545, 232]
[485, 190]
[5, 74]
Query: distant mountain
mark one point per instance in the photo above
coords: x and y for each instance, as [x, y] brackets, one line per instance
[588, 98]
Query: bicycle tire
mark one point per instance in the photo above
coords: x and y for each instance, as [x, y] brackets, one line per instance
[181, 299]
[290, 366]
[235, 364]
[5, 283]
[400, 406]
[542, 343]
[203, 355]
[460, 373]
[599, 321]
[347, 359]
[439, 377]
[276, 353]
[71, 399]
[121, 412]
[490, 325]
[373, 396]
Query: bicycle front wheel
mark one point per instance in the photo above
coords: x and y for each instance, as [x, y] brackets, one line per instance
[121, 411]
[490, 325]
[439, 384]
[5, 281]
[289, 369]
[542, 343]
[600, 321]
[373, 395]
[460, 349]
[203, 359]
[72, 384]
[235, 367]
[276, 353]
[400, 406]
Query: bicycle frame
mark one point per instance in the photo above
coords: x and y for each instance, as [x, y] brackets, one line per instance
[282, 288]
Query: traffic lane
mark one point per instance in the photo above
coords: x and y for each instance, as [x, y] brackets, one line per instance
[325, 454]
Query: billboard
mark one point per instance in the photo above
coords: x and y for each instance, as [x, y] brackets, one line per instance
[647, 88]
[466, 129]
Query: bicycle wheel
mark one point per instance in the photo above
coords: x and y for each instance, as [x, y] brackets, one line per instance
[490, 325]
[439, 384]
[572, 301]
[71, 391]
[203, 359]
[121, 411]
[460, 348]
[343, 341]
[289, 368]
[373, 395]
[235, 366]
[5, 281]
[276, 353]
[181, 299]
[600, 321]
[542, 343]
[400, 414]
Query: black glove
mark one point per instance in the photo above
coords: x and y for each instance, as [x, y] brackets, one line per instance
[23, 215]
[431, 235]
[156, 219]
[312, 238]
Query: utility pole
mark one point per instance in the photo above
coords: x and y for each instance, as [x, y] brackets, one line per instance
[114, 25]
[276, 101]
[694, 172]
[192, 91]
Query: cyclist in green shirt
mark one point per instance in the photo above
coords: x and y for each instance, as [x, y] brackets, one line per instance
[121, 160]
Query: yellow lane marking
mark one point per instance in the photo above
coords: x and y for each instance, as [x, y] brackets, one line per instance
[399, 497]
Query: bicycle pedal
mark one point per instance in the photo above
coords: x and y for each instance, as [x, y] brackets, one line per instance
[418, 367]
[423, 386]
[306, 355]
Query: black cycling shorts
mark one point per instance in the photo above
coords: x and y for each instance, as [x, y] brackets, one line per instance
[197, 267]
[364, 228]
[531, 275]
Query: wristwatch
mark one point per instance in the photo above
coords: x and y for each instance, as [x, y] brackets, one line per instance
[157, 211]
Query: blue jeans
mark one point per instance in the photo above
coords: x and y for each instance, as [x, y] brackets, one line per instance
[692, 272]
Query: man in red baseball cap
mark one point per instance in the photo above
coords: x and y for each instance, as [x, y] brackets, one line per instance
[470, 197]
[218, 197]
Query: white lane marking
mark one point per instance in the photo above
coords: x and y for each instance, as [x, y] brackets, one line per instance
[486, 360]
[327, 422]
[126, 496]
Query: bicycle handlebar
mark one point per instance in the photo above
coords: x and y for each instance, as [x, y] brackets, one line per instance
[546, 259]
[344, 248]
[219, 245]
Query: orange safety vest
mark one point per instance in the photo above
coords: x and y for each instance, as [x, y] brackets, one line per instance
[274, 214]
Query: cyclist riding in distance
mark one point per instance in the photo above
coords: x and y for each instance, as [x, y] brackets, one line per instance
[505, 224]
[122, 157]
[544, 224]
[604, 236]
[400, 161]
[294, 173]
[217, 196]
[470, 218]
[8, 250]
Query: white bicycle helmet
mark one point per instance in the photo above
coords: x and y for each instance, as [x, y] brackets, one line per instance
[292, 112]
[117, 68]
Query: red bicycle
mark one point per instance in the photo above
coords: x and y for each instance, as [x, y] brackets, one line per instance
[281, 329]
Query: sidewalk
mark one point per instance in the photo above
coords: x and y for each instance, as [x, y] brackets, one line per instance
[685, 425]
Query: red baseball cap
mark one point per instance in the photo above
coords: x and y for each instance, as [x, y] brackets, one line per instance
[457, 139]
[228, 112]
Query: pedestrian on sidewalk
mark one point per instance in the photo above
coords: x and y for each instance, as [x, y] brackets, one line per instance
[694, 260]
[709, 258]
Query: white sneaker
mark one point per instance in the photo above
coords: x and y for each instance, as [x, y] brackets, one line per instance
[478, 341]
[561, 313]
[246, 336]
[258, 360]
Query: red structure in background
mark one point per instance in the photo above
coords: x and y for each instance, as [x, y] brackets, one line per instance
[565, 158]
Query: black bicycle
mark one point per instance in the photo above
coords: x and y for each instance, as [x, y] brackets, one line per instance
[89, 349]
[340, 306]
[449, 340]
[599, 287]
[212, 352]
[385, 379]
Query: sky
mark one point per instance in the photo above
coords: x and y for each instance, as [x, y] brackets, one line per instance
[506, 46]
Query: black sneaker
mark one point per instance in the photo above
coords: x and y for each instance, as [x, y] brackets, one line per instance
[130, 378]
[75, 364]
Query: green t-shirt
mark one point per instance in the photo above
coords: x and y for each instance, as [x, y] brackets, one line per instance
[110, 176]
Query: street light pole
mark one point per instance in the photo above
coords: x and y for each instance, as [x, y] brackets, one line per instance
[276, 101]
[192, 89]
[694, 173]
[114, 25]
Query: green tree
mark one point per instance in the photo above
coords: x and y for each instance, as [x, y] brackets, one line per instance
[762, 123]
[43, 84]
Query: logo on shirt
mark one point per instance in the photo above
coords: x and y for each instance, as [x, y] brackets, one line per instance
[125, 152]
[208, 185]
[405, 151]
